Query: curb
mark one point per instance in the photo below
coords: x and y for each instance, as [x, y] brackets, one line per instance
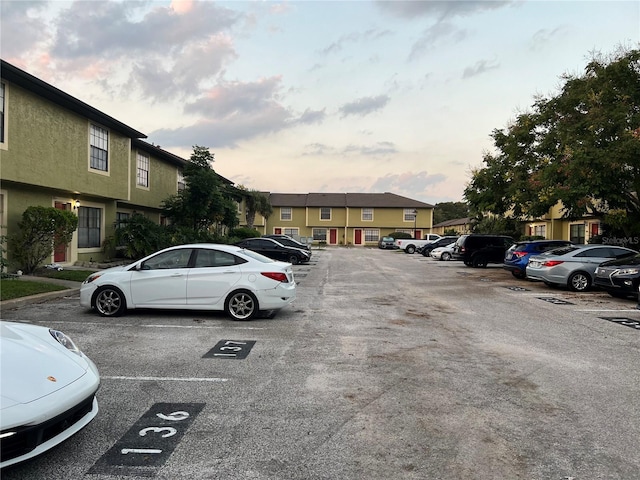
[39, 298]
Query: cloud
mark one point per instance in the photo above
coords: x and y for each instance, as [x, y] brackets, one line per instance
[379, 148]
[437, 36]
[311, 117]
[231, 112]
[21, 29]
[408, 184]
[355, 37]
[543, 37]
[410, 9]
[479, 68]
[364, 106]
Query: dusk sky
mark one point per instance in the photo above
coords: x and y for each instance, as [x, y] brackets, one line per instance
[327, 96]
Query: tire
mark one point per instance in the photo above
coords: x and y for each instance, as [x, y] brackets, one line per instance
[446, 256]
[519, 274]
[293, 259]
[425, 252]
[109, 302]
[579, 282]
[411, 249]
[479, 261]
[241, 305]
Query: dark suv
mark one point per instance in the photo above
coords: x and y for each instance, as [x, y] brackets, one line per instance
[517, 257]
[479, 250]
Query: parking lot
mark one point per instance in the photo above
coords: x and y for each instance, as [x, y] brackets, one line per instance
[386, 366]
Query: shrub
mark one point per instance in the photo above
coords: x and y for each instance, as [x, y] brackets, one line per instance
[42, 229]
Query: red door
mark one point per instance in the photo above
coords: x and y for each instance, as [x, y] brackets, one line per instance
[277, 231]
[60, 253]
[333, 236]
[358, 236]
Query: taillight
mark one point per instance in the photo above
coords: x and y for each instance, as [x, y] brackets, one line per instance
[277, 276]
[552, 263]
[519, 254]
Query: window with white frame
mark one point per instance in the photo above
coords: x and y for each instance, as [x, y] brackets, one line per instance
[285, 213]
[181, 182]
[292, 232]
[410, 214]
[371, 234]
[320, 234]
[142, 175]
[540, 231]
[367, 214]
[89, 224]
[99, 156]
[325, 213]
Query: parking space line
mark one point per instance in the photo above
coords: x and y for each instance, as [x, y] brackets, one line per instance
[165, 379]
[608, 310]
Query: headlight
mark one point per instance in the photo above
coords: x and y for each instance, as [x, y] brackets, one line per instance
[92, 277]
[65, 341]
[627, 271]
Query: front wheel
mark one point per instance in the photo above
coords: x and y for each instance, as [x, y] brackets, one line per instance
[579, 282]
[241, 305]
[109, 302]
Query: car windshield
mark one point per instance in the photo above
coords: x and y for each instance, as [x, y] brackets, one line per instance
[257, 256]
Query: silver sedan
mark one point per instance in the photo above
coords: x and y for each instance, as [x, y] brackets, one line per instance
[573, 266]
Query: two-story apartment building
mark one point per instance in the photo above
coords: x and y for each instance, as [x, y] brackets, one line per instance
[347, 218]
[58, 151]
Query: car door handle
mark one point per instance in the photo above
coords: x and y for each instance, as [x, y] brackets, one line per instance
[228, 271]
[176, 274]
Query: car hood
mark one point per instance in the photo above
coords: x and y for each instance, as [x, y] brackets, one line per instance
[33, 366]
[632, 261]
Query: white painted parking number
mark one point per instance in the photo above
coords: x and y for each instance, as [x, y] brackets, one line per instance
[166, 432]
[228, 346]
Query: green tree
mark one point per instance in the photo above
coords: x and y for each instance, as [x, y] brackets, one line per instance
[580, 147]
[449, 211]
[255, 202]
[42, 230]
[205, 200]
[140, 236]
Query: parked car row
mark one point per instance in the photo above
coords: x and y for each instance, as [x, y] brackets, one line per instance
[561, 263]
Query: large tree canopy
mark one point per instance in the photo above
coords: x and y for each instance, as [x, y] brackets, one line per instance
[580, 147]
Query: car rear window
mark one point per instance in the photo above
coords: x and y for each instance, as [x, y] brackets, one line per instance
[562, 250]
[257, 256]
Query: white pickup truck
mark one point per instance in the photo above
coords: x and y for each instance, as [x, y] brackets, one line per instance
[409, 245]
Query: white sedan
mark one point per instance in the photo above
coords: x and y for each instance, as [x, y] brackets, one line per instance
[200, 276]
[442, 253]
[47, 390]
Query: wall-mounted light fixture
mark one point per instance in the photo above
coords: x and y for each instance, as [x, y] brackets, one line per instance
[76, 204]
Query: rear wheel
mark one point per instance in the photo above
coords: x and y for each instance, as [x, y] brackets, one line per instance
[410, 249]
[293, 259]
[109, 302]
[518, 274]
[446, 256]
[579, 282]
[241, 305]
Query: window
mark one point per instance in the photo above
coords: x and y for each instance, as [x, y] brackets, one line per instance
[540, 231]
[121, 222]
[320, 234]
[371, 235]
[325, 213]
[2, 104]
[99, 149]
[172, 259]
[89, 221]
[367, 214]
[181, 183]
[410, 214]
[292, 232]
[142, 176]
[215, 258]
[576, 233]
[285, 213]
